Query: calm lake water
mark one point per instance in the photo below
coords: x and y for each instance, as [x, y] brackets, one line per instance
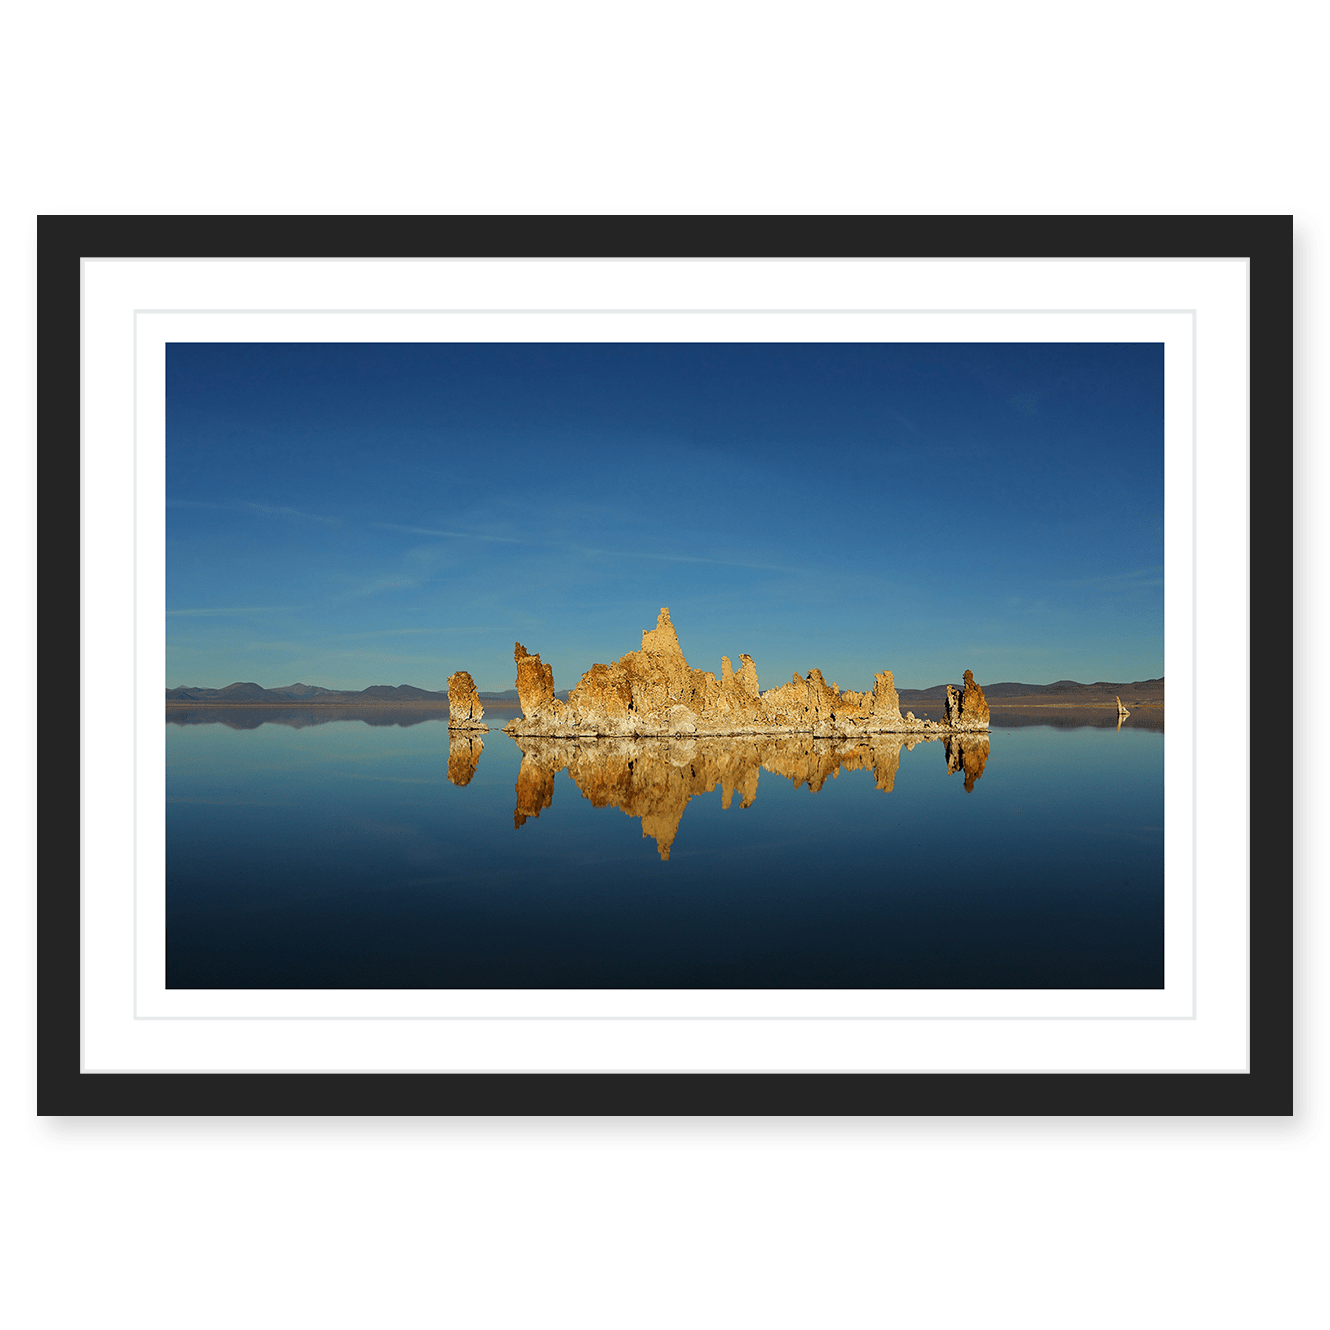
[372, 853]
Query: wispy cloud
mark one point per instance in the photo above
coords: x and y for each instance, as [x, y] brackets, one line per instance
[383, 657]
[391, 632]
[1140, 577]
[256, 510]
[316, 639]
[290, 514]
[458, 535]
[228, 803]
[904, 421]
[684, 558]
[582, 549]
[220, 612]
[372, 586]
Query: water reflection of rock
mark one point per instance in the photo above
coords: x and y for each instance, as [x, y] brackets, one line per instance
[463, 758]
[967, 754]
[535, 787]
[653, 779]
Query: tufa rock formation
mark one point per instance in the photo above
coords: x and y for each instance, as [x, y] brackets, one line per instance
[464, 708]
[535, 684]
[1123, 713]
[655, 692]
[967, 710]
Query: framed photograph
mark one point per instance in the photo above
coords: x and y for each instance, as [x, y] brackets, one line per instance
[440, 582]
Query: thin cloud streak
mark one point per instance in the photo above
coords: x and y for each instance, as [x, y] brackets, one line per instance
[382, 656]
[316, 639]
[255, 509]
[1143, 577]
[291, 514]
[413, 632]
[458, 535]
[682, 558]
[242, 609]
[581, 549]
[379, 584]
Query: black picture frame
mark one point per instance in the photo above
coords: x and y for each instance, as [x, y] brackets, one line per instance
[63, 1089]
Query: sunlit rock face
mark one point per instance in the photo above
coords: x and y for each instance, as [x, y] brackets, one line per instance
[535, 684]
[463, 757]
[967, 710]
[654, 779]
[605, 695]
[655, 692]
[974, 706]
[464, 707]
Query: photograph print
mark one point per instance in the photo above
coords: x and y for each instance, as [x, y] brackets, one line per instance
[665, 665]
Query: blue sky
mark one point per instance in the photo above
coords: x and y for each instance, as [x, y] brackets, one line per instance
[348, 515]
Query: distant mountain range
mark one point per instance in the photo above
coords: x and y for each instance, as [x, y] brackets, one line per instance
[308, 692]
[303, 692]
[1065, 691]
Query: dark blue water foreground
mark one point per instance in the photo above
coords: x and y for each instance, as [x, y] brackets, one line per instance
[342, 855]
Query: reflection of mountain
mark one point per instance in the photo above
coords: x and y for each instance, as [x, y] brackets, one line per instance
[1076, 718]
[251, 693]
[653, 779]
[1063, 690]
[250, 718]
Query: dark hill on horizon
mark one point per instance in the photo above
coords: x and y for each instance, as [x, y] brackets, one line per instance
[252, 694]
[303, 692]
[1065, 692]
